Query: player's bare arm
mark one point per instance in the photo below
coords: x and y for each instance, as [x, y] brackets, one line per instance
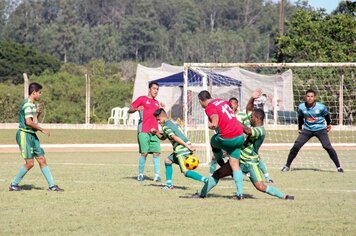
[33, 125]
[181, 142]
[256, 94]
[134, 109]
[214, 120]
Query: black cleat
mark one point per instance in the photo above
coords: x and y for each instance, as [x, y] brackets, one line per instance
[238, 197]
[197, 196]
[339, 169]
[55, 188]
[14, 187]
[285, 169]
[270, 181]
[288, 197]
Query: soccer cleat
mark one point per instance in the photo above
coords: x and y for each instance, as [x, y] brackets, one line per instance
[55, 188]
[288, 197]
[285, 169]
[140, 177]
[196, 195]
[157, 179]
[168, 187]
[339, 169]
[14, 187]
[270, 181]
[238, 197]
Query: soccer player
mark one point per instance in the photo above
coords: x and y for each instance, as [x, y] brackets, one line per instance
[28, 141]
[249, 160]
[181, 148]
[240, 114]
[229, 134]
[148, 142]
[312, 116]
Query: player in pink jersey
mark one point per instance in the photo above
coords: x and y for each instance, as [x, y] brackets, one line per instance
[148, 142]
[229, 134]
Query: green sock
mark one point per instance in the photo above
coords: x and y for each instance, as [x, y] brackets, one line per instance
[169, 174]
[47, 174]
[22, 172]
[195, 175]
[141, 164]
[156, 165]
[274, 192]
[212, 167]
[263, 167]
[211, 183]
[237, 175]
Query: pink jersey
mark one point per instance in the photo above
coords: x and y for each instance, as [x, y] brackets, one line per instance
[149, 107]
[228, 125]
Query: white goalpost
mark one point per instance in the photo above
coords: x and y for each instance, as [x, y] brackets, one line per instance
[284, 86]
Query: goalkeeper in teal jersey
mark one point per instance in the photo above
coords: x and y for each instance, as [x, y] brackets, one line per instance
[181, 148]
[249, 163]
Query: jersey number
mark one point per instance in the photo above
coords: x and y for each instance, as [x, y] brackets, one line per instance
[226, 109]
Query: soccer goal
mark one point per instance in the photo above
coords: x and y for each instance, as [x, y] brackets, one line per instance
[283, 86]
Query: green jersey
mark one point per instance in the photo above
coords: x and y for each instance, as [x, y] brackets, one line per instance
[170, 128]
[252, 144]
[243, 118]
[27, 110]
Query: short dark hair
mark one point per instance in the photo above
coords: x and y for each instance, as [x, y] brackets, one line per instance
[204, 95]
[259, 113]
[34, 87]
[310, 91]
[233, 99]
[159, 111]
[150, 84]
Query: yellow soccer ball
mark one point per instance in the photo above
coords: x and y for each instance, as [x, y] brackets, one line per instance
[191, 162]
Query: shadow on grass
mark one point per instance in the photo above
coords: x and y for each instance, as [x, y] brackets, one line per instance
[162, 185]
[214, 195]
[311, 169]
[28, 187]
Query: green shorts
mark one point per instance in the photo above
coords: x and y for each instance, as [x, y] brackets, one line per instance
[232, 145]
[253, 169]
[29, 145]
[178, 157]
[148, 143]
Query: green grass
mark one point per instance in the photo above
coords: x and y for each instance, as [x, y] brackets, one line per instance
[63, 136]
[102, 197]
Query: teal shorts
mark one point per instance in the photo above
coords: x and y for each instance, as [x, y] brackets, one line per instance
[253, 169]
[148, 143]
[232, 145]
[29, 145]
[178, 157]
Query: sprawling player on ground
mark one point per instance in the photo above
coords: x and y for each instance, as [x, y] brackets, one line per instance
[249, 160]
[312, 116]
[229, 134]
[182, 147]
[148, 142]
[28, 141]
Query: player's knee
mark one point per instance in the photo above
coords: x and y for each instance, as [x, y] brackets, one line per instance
[168, 162]
[260, 186]
[29, 166]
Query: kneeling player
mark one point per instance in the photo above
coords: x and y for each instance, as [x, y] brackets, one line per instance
[248, 160]
[181, 148]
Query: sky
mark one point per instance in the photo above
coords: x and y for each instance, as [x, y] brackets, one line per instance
[329, 5]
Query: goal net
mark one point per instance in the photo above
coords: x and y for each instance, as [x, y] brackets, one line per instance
[283, 87]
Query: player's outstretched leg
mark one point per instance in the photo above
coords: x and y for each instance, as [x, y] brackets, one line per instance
[264, 170]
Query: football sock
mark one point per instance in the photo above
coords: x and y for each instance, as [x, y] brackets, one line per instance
[237, 175]
[141, 164]
[212, 167]
[211, 183]
[156, 165]
[263, 167]
[274, 192]
[195, 175]
[169, 174]
[47, 174]
[22, 172]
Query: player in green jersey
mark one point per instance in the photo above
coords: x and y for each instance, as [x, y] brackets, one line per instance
[28, 141]
[182, 147]
[249, 159]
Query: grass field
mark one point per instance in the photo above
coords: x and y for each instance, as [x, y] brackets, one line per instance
[102, 197]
